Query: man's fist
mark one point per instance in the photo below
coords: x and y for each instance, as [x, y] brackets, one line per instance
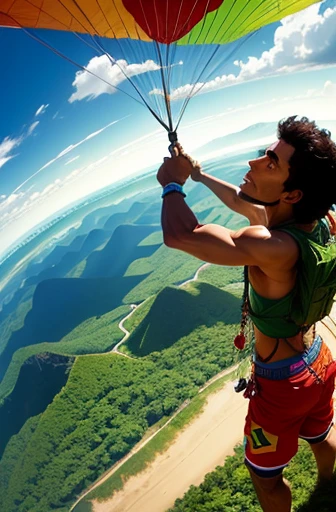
[177, 168]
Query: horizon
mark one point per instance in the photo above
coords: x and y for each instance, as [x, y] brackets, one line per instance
[109, 189]
[230, 151]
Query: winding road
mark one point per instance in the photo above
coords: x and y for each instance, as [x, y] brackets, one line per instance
[134, 307]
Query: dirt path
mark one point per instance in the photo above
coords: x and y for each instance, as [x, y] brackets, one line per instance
[198, 449]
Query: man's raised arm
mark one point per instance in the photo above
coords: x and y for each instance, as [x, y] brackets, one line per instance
[228, 194]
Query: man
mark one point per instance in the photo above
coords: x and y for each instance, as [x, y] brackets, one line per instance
[293, 184]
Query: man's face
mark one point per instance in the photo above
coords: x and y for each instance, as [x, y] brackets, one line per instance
[267, 175]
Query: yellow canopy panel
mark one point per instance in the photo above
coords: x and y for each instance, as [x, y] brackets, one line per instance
[109, 18]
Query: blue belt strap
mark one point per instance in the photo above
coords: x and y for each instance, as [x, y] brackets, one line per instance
[288, 367]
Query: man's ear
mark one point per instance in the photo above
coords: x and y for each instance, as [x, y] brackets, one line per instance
[292, 197]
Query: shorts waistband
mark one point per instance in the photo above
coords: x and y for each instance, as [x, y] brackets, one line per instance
[291, 366]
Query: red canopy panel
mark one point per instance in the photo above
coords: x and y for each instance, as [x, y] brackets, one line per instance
[167, 21]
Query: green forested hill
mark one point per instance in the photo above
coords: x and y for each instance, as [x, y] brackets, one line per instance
[59, 305]
[105, 408]
[220, 276]
[95, 335]
[164, 267]
[122, 248]
[176, 312]
[109, 402]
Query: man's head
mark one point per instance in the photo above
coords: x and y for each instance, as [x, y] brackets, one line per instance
[312, 167]
[299, 169]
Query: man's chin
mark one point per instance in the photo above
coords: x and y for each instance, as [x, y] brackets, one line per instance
[245, 187]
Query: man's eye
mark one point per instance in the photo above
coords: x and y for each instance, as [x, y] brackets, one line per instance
[271, 165]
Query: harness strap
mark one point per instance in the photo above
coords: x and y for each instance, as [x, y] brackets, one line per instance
[268, 358]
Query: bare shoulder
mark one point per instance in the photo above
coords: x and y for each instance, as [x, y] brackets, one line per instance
[270, 248]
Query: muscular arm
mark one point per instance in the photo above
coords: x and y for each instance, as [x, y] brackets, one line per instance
[253, 245]
[228, 194]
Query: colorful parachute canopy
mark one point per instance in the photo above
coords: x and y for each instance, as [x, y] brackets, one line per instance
[147, 34]
[165, 21]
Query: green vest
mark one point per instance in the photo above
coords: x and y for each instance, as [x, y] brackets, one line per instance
[316, 278]
[312, 297]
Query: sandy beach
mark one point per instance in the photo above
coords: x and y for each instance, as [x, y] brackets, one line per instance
[197, 450]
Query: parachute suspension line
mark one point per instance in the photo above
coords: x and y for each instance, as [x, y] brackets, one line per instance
[184, 106]
[165, 90]
[237, 46]
[177, 19]
[60, 54]
[83, 68]
[83, 40]
[170, 55]
[114, 62]
[224, 20]
[144, 15]
[235, 34]
[193, 92]
[187, 20]
[267, 10]
[76, 18]
[44, 12]
[211, 25]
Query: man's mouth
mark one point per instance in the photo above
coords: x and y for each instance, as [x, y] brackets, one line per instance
[248, 178]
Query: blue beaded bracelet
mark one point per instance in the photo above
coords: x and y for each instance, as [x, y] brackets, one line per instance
[172, 187]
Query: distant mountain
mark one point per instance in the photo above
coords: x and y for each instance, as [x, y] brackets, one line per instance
[70, 259]
[120, 251]
[97, 218]
[152, 215]
[177, 312]
[128, 217]
[55, 256]
[253, 132]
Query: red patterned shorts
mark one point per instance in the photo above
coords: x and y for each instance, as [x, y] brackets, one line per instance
[286, 409]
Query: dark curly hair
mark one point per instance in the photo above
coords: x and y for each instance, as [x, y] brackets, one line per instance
[312, 167]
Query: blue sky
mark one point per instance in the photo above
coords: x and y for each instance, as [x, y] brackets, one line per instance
[64, 134]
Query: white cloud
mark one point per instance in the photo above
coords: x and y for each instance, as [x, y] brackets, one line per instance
[305, 40]
[66, 151]
[74, 146]
[34, 196]
[9, 143]
[11, 199]
[6, 148]
[327, 91]
[32, 127]
[41, 109]
[89, 86]
[71, 160]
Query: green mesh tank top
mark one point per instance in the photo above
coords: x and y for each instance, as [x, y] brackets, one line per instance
[285, 317]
